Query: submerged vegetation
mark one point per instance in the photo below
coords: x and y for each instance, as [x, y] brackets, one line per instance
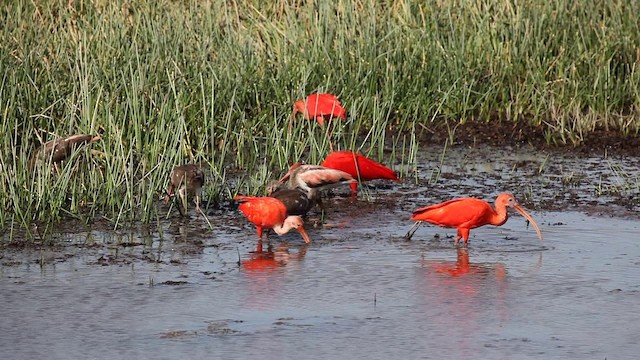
[212, 82]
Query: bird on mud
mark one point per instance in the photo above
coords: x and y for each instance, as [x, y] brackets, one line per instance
[295, 200]
[270, 213]
[320, 107]
[469, 213]
[188, 180]
[312, 179]
[59, 149]
[358, 166]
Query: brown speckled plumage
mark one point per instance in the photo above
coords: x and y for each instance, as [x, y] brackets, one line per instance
[186, 180]
[59, 149]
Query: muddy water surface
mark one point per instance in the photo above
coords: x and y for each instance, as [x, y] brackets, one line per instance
[359, 290]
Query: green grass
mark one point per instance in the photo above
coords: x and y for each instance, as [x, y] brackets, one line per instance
[169, 82]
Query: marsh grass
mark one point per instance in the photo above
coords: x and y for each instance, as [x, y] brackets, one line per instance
[167, 83]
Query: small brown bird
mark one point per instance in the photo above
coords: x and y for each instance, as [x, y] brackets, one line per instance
[60, 149]
[188, 179]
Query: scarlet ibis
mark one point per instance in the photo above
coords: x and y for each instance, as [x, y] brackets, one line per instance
[270, 213]
[295, 200]
[188, 179]
[314, 178]
[59, 149]
[358, 166]
[318, 107]
[469, 213]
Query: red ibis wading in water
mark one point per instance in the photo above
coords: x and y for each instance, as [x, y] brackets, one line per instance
[270, 213]
[469, 213]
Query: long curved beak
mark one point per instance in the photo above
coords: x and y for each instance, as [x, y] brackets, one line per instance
[293, 116]
[304, 234]
[412, 231]
[526, 215]
[290, 127]
[285, 177]
[288, 174]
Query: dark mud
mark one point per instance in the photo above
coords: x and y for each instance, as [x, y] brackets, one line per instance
[359, 290]
[503, 133]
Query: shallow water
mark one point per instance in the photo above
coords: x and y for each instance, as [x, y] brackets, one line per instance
[358, 291]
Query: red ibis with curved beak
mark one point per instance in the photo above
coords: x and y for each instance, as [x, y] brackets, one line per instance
[270, 213]
[469, 213]
[359, 166]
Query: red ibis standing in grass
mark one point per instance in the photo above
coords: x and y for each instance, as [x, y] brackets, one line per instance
[270, 213]
[358, 166]
[320, 107]
[314, 178]
[469, 213]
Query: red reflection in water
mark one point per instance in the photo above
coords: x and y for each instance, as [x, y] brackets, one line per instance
[462, 266]
[463, 298]
[266, 278]
[271, 259]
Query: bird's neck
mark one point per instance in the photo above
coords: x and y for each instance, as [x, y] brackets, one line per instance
[499, 216]
[281, 229]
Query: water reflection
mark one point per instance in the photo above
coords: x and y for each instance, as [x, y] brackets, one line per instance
[265, 275]
[469, 296]
[462, 266]
[270, 259]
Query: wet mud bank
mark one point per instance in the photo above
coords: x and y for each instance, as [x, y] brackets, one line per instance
[183, 288]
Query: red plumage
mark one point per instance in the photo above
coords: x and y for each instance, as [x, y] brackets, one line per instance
[319, 107]
[324, 105]
[469, 213]
[358, 166]
[270, 213]
[466, 212]
[264, 212]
